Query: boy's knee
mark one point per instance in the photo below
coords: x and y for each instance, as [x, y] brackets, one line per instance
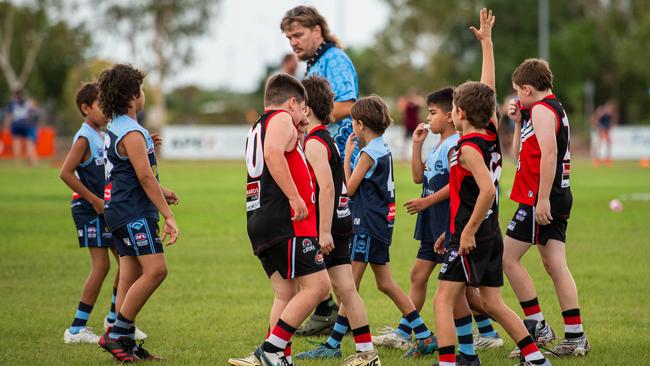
[418, 278]
[159, 273]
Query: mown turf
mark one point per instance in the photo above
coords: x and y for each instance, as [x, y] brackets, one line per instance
[214, 303]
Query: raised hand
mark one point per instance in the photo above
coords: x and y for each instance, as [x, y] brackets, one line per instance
[484, 33]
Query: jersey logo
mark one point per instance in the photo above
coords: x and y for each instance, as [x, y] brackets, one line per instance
[107, 191]
[318, 258]
[391, 212]
[343, 210]
[308, 246]
[253, 195]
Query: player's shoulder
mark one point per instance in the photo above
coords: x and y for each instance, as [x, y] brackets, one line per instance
[336, 57]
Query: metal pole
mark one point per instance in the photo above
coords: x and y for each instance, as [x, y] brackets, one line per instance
[543, 30]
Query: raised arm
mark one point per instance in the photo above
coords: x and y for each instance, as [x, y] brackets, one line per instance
[484, 35]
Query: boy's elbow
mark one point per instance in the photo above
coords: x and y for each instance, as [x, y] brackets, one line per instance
[417, 180]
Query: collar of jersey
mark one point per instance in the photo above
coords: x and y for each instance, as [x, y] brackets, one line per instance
[318, 128]
[320, 51]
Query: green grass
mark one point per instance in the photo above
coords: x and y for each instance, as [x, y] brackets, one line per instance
[215, 301]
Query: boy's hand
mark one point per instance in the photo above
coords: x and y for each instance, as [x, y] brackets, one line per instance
[326, 243]
[438, 246]
[484, 33]
[170, 229]
[299, 208]
[543, 212]
[350, 144]
[157, 139]
[415, 205]
[98, 206]
[513, 111]
[467, 243]
[420, 134]
[170, 197]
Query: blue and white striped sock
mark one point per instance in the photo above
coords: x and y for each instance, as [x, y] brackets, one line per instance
[338, 332]
[484, 326]
[404, 329]
[419, 328]
[111, 314]
[464, 334]
[80, 317]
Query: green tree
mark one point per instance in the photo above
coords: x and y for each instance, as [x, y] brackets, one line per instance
[427, 44]
[167, 28]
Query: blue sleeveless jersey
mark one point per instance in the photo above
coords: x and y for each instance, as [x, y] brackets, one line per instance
[373, 207]
[124, 198]
[434, 220]
[89, 172]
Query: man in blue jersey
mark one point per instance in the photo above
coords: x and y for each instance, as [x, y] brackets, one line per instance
[312, 41]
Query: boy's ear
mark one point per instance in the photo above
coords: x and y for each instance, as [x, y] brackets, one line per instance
[308, 111]
[461, 113]
[449, 119]
[85, 109]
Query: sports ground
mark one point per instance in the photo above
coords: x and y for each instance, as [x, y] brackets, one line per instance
[214, 303]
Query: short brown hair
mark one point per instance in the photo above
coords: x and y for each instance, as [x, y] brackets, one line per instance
[534, 72]
[282, 87]
[87, 94]
[308, 17]
[477, 100]
[373, 112]
[118, 86]
[320, 97]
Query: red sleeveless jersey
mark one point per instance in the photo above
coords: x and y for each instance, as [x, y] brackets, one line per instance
[268, 210]
[526, 185]
[463, 189]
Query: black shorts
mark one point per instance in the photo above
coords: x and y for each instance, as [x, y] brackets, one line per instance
[341, 253]
[92, 232]
[483, 266]
[427, 253]
[367, 249]
[138, 237]
[523, 227]
[294, 257]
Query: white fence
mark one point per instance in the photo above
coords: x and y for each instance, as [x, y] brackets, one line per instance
[227, 142]
[628, 142]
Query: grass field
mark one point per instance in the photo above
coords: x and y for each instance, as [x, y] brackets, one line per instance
[215, 301]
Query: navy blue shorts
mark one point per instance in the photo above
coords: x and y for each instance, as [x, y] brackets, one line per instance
[138, 237]
[92, 232]
[23, 130]
[341, 253]
[427, 253]
[367, 249]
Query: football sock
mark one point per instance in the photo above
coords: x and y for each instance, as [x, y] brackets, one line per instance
[340, 328]
[325, 307]
[111, 314]
[362, 339]
[287, 353]
[80, 317]
[419, 328]
[279, 338]
[404, 328]
[465, 339]
[530, 351]
[484, 326]
[532, 310]
[447, 356]
[572, 324]
[122, 327]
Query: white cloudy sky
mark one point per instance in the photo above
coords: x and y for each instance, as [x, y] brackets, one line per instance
[245, 36]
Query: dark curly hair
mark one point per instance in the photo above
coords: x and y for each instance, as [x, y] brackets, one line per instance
[319, 97]
[118, 86]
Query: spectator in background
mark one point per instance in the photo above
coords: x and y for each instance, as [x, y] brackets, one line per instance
[410, 105]
[506, 126]
[289, 64]
[18, 117]
[603, 118]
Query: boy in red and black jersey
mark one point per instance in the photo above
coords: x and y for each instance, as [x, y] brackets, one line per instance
[281, 215]
[474, 253]
[542, 189]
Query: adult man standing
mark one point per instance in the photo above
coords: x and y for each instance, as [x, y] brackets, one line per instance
[312, 41]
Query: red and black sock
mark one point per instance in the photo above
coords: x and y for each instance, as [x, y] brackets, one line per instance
[572, 324]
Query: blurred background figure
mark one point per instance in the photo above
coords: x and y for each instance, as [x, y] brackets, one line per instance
[409, 106]
[289, 64]
[21, 118]
[603, 119]
[506, 126]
